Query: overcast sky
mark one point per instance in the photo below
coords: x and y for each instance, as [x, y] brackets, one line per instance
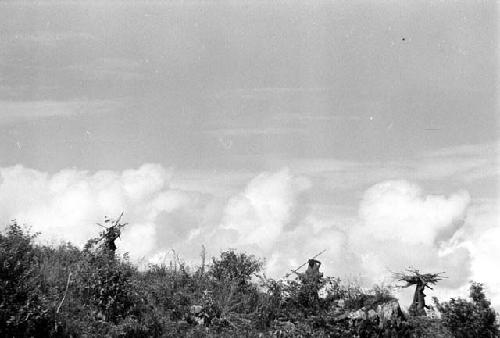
[367, 128]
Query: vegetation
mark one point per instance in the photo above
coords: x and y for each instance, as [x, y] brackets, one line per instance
[65, 291]
[473, 318]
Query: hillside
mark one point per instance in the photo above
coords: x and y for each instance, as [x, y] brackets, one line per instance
[65, 291]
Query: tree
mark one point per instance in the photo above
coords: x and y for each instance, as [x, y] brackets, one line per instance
[473, 318]
[235, 267]
[231, 282]
[421, 281]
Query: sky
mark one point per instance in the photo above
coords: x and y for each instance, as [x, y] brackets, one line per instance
[366, 128]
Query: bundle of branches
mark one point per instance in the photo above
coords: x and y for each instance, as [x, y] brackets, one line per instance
[413, 276]
[112, 226]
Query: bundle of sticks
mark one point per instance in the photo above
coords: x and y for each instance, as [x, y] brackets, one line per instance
[413, 276]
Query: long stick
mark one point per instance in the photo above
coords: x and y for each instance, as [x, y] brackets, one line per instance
[295, 271]
[65, 292]
[203, 253]
[62, 300]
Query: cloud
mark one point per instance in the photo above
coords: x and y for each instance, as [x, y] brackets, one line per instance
[304, 117]
[274, 216]
[398, 210]
[481, 235]
[18, 111]
[397, 226]
[464, 164]
[48, 38]
[264, 208]
[66, 205]
[485, 256]
[266, 92]
[467, 163]
[109, 69]
[253, 131]
[400, 226]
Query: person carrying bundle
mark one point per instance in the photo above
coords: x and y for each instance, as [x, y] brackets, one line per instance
[311, 284]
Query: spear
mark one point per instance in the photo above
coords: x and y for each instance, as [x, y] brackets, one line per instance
[297, 269]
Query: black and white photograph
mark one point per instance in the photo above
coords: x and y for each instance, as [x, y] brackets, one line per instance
[249, 168]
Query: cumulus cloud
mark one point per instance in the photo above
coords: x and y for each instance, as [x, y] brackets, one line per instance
[400, 226]
[481, 236]
[485, 257]
[264, 208]
[397, 226]
[272, 216]
[66, 205]
[398, 210]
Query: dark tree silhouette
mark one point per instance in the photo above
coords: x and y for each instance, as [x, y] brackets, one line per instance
[421, 281]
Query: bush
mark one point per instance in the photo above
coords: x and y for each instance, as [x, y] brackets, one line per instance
[230, 286]
[106, 298]
[234, 267]
[473, 318]
[24, 309]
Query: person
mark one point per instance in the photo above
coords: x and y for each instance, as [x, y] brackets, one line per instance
[312, 273]
[418, 306]
[311, 283]
[110, 236]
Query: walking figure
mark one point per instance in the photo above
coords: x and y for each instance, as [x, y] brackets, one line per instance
[421, 281]
[110, 234]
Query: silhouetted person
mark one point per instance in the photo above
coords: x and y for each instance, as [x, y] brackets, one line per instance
[312, 273]
[418, 306]
[311, 283]
[421, 281]
[111, 235]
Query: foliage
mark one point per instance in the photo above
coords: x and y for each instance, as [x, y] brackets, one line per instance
[66, 291]
[23, 307]
[232, 266]
[426, 327]
[474, 318]
[230, 289]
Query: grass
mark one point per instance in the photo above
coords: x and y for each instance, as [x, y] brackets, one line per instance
[65, 291]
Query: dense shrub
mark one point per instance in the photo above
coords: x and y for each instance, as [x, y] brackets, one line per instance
[230, 282]
[474, 318]
[24, 309]
[106, 298]
[234, 267]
